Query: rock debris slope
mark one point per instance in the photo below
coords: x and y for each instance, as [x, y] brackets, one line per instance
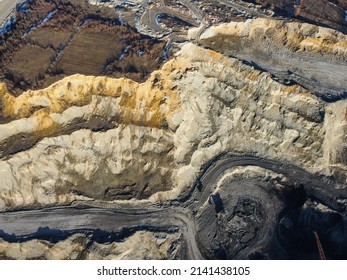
[144, 154]
[87, 138]
[314, 57]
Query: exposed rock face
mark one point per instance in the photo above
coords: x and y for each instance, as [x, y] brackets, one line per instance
[314, 57]
[335, 136]
[291, 35]
[84, 102]
[141, 245]
[210, 150]
[78, 90]
[122, 163]
[159, 134]
[239, 216]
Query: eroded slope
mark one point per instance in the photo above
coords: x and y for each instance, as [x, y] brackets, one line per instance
[295, 53]
[159, 134]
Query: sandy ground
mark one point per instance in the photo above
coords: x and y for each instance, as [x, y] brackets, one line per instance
[6, 6]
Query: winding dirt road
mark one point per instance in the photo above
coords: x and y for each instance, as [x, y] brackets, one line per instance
[18, 226]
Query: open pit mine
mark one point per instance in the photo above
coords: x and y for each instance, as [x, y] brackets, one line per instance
[173, 129]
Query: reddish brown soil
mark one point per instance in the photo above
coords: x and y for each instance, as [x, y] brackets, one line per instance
[31, 61]
[330, 13]
[76, 39]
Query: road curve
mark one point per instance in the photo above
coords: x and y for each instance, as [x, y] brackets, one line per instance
[317, 187]
[18, 226]
[24, 225]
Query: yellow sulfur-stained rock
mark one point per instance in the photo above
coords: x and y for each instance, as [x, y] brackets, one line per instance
[104, 139]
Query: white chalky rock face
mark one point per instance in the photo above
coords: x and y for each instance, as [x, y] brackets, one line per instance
[88, 165]
[292, 35]
[89, 138]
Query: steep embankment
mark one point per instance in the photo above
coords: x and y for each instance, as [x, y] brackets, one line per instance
[314, 57]
[120, 144]
[155, 136]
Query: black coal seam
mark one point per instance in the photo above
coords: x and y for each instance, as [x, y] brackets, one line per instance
[197, 185]
[326, 97]
[327, 196]
[101, 236]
